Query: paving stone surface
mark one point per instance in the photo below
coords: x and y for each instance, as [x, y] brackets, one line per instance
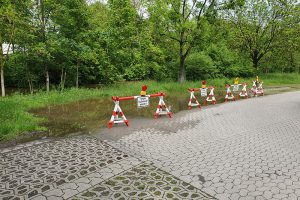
[60, 168]
[249, 149]
[64, 168]
[143, 182]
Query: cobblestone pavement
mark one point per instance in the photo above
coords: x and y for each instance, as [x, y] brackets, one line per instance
[143, 182]
[249, 149]
[80, 165]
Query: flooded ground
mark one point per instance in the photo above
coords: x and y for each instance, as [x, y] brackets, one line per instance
[91, 115]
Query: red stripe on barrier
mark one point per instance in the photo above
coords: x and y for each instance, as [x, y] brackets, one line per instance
[114, 98]
[159, 94]
[193, 89]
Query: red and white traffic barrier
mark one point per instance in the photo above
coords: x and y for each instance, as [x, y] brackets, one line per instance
[117, 110]
[260, 90]
[203, 89]
[211, 96]
[161, 108]
[193, 102]
[143, 102]
[229, 95]
[253, 90]
[236, 85]
[244, 92]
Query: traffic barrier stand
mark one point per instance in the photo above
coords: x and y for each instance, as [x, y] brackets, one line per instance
[193, 102]
[253, 90]
[161, 108]
[260, 90]
[115, 115]
[236, 85]
[211, 96]
[143, 101]
[229, 95]
[257, 87]
[203, 89]
[243, 93]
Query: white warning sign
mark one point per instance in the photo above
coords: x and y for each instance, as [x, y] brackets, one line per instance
[203, 92]
[236, 88]
[142, 102]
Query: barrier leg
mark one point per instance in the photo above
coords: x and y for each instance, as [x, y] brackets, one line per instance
[214, 101]
[196, 103]
[161, 105]
[115, 116]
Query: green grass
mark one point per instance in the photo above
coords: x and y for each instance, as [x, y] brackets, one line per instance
[16, 119]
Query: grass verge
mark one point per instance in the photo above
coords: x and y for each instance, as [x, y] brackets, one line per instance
[16, 119]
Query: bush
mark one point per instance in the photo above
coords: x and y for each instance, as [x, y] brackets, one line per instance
[135, 72]
[200, 66]
[237, 71]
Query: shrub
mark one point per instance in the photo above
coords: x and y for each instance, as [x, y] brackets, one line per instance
[200, 66]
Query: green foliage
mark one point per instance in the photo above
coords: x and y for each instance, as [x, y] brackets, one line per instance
[238, 71]
[200, 66]
[145, 40]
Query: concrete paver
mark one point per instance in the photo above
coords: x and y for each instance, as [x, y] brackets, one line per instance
[249, 149]
[253, 144]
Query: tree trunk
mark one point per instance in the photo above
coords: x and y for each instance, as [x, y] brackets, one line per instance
[30, 86]
[63, 79]
[256, 56]
[182, 75]
[2, 70]
[47, 81]
[77, 77]
[2, 82]
[255, 63]
[65, 76]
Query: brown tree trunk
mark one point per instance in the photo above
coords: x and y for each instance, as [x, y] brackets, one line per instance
[63, 79]
[255, 60]
[30, 86]
[77, 77]
[65, 76]
[47, 81]
[2, 70]
[182, 74]
[255, 65]
[2, 82]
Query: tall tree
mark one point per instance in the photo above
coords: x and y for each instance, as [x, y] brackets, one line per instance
[12, 21]
[260, 25]
[72, 18]
[182, 21]
[42, 15]
[124, 39]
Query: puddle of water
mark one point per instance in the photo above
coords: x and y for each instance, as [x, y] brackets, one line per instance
[90, 115]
